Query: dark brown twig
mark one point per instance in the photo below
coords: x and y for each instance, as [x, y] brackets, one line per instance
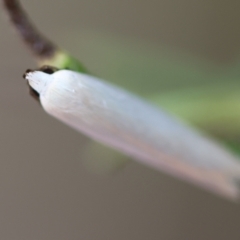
[38, 44]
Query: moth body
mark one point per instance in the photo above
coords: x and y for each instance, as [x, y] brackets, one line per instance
[127, 123]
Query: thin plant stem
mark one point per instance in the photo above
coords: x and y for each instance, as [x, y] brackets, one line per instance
[41, 47]
[45, 51]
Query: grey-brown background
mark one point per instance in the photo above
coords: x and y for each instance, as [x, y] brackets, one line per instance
[45, 190]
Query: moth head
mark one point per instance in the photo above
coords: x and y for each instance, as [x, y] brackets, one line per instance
[38, 79]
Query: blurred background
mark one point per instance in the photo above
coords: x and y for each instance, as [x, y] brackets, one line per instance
[56, 183]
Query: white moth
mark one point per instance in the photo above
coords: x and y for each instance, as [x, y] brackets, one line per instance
[125, 122]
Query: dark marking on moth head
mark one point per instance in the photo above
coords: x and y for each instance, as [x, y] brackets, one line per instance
[27, 71]
[48, 69]
[33, 93]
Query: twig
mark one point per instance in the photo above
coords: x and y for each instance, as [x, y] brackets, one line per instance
[37, 43]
